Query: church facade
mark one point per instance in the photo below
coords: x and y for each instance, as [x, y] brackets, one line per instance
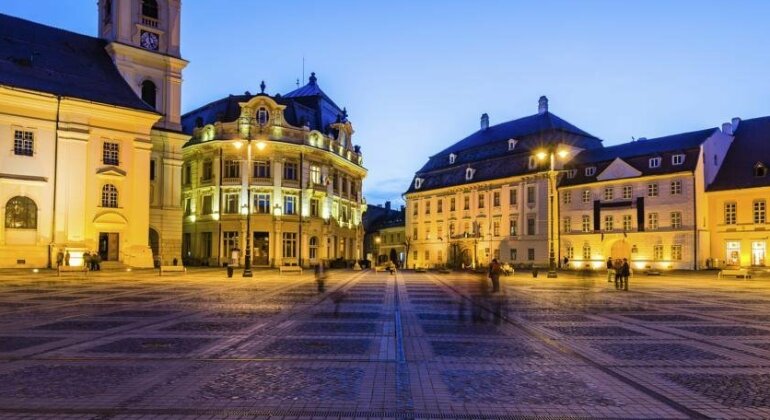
[93, 137]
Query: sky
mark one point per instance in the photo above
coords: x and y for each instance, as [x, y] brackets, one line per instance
[416, 76]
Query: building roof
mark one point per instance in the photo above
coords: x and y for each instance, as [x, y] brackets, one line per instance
[51, 60]
[638, 153]
[750, 146]
[307, 105]
[377, 217]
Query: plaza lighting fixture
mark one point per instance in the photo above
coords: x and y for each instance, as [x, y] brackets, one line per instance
[551, 153]
[261, 145]
[238, 144]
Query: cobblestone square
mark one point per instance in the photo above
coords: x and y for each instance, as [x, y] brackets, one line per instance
[413, 345]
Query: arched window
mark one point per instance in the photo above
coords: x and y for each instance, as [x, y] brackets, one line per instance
[262, 116]
[150, 9]
[109, 196]
[313, 247]
[760, 170]
[21, 213]
[149, 93]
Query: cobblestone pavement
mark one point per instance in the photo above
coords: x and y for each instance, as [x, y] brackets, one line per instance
[414, 345]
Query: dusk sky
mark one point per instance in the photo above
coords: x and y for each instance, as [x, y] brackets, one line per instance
[415, 76]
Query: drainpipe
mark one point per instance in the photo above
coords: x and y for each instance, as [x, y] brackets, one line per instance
[301, 179]
[219, 222]
[695, 225]
[55, 178]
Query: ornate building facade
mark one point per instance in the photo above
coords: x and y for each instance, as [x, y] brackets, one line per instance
[384, 234]
[93, 132]
[274, 177]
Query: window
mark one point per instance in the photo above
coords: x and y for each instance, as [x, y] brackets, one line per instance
[187, 206]
[111, 153]
[513, 198]
[530, 194]
[231, 203]
[415, 208]
[232, 169]
[566, 224]
[652, 190]
[427, 207]
[657, 252]
[571, 173]
[676, 220]
[290, 171]
[531, 254]
[290, 245]
[469, 173]
[23, 143]
[440, 256]
[676, 187]
[440, 205]
[417, 183]
[186, 174]
[511, 144]
[20, 213]
[654, 162]
[314, 205]
[586, 223]
[730, 213]
[759, 212]
[451, 229]
[496, 228]
[427, 255]
[452, 204]
[414, 233]
[290, 204]
[152, 169]
[150, 9]
[208, 170]
[566, 197]
[514, 254]
[229, 242]
[609, 223]
[570, 252]
[414, 255]
[514, 227]
[677, 159]
[262, 203]
[482, 200]
[440, 231]
[532, 162]
[261, 169]
[760, 170]
[149, 93]
[627, 192]
[109, 196]
[206, 204]
[608, 193]
[652, 221]
[590, 171]
[531, 224]
[676, 252]
[627, 222]
[466, 202]
[586, 252]
[263, 116]
[586, 196]
[313, 254]
[315, 174]
[496, 199]
[452, 158]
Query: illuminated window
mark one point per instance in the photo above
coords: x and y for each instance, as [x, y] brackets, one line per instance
[676, 252]
[20, 213]
[109, 196]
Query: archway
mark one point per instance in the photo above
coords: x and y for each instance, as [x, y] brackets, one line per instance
[154, 240]
[620, 249]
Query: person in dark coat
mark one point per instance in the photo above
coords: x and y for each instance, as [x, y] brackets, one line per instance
[618, 265]
[610, 270]
[494, 274]
[625, 273]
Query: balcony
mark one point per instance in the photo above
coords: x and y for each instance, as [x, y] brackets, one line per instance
[207, 181]
[149, 22]
[231, 181]
[261, 181]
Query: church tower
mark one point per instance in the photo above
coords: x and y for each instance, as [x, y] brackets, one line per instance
[144, 42]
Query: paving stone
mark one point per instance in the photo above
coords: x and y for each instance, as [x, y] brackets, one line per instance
[556, 318]
[318, 346]
[461, 329]
[81, 325]
[11, 343]
[763, 346]
[206, 326]
[731, 390]
[337, 327]
[664, 318]
[70, 382]
[279, 383]
[725, 331]
[594, 331]
[487, 349]
[133, 299]
[657, 351]
[754, 317]
[140, 345]
[138, 313]
[348, 315]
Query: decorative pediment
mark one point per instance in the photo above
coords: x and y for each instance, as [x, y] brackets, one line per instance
[618, 169]
[111, 172]
[110, 220]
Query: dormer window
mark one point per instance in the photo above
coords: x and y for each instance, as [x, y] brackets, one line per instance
[655, 162]
[469, 173]
[590, 171]
[571, 173]
[418, 183]
[512, 144]
[677, 159]
[262, 116]
[760, 170]
[532, 162]
[452, 158]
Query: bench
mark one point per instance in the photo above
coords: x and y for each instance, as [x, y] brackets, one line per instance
[737, 272]
[72, 269]
[171, 269]
[289, 269]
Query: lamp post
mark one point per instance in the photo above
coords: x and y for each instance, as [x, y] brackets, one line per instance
[551, 153]
[377, 241]
[261, 146]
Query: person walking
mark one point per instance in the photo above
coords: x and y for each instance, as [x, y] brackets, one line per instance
[59, 258]
[494, 275]
[566, 263]
[67, 258]
[87, 263]
[610, 270]
[625, 273]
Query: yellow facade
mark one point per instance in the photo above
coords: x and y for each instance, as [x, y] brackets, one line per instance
[739, 227]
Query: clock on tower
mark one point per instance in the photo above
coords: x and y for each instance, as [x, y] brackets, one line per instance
[149, 40]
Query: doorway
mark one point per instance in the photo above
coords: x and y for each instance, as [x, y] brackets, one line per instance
[154, 240]
[108, 246]
[261, 252]
[621, 249]
[758, 254]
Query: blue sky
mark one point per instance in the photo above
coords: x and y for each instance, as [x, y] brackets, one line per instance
[415, 76]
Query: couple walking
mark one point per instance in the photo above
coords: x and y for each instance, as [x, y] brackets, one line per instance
[620, 270]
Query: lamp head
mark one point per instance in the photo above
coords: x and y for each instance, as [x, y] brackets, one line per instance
[562, 153]
[541, 154]
[261, 145]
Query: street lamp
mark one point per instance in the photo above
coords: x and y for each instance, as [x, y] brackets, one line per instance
[551, 153]
[260, 146]
[377, 241]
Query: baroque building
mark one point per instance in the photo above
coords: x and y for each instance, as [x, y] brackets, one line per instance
[93, 134]
[384, 234]
[276, 178]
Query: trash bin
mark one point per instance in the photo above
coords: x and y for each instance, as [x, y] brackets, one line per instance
[229, 271]
[534, 272]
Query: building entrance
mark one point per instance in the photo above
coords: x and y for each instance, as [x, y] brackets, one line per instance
[758, 253]
[108, 246]
[621, 249]
[261, 252]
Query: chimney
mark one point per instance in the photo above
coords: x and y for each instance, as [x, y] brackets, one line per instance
[387, 205]
[735, 121]
[727, 128]
[542, 105]
[484, 121]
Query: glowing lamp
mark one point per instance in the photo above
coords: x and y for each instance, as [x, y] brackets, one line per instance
[562, 153]
[541, 155]
[261, 145]
[238, 144]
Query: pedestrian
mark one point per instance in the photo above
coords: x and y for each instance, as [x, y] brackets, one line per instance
[87, 263]
[67, 258]
[566, 263]
[96, 261]
[494, 275]
[626, 272]
[59, 258]
[618, 267]
[320, 278]
[610, 270]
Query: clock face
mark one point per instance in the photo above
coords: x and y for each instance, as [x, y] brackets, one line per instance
[149, 40]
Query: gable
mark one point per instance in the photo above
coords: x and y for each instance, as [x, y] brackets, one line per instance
[618, 169]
